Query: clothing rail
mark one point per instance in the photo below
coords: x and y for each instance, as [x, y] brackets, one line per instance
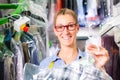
[8, 6]
[18, 9]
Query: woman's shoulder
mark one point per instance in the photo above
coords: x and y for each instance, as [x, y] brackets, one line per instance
[46, 61]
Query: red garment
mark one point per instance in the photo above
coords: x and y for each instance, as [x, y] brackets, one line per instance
[58, 5]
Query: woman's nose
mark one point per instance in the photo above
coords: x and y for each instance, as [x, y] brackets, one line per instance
[66, 30]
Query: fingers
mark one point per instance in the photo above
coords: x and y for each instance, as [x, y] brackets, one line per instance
[103, 53]
[91, 46]
[101, 56]
[93, 49]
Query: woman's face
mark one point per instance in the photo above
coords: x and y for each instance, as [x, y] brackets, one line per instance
[66, 37]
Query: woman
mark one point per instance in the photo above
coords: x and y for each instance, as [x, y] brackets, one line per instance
[65, 28]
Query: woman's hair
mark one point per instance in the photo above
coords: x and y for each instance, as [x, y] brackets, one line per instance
[65, 11]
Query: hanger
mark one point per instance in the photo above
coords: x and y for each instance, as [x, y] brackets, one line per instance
[18, 9]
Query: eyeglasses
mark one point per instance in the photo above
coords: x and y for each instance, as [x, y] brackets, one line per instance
[69, 27]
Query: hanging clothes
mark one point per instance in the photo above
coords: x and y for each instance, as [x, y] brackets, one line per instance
[71, 4]
[81, 15]
[31, 48]
[103, 12]
[9, 68]
[7, 63]
[58, 5]
[16, 48]
[26, 52]
[51, 12]
[34, 31]
[91, 9]
[112, 67]
[23, 47]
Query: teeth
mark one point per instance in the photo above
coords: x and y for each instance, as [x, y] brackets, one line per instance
[66, 38]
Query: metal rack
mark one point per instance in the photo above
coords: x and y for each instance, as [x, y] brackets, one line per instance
[18, 9]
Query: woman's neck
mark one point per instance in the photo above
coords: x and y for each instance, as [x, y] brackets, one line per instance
[68, 50]
[68, 54]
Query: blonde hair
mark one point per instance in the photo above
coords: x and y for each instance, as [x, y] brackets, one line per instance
[64, 11]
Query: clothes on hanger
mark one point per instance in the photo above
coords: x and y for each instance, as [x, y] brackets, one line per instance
[18, 52]
[81, 14]
[7, 68]
[22, 47]
[112, 67]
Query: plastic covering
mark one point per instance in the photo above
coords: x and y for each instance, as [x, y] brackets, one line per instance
[78, 70]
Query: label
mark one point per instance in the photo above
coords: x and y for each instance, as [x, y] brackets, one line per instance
[20, 22]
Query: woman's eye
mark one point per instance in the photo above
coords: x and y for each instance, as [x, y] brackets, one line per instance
[71, 25]
[59, 27]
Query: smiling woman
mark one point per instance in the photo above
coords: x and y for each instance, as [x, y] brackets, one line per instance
[66, 28]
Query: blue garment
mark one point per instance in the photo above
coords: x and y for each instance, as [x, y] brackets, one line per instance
[29, 39]
[58, 62]
[33, 53]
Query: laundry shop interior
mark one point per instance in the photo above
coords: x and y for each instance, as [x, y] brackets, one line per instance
[27, 36]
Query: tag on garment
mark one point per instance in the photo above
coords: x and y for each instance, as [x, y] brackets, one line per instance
[20, 22]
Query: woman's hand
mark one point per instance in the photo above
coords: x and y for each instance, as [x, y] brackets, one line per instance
[100, 55]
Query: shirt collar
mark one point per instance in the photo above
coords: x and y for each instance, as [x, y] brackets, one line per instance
[56, 57]
[80, 54]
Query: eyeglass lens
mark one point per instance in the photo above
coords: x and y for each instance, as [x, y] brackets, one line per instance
[69, 27]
